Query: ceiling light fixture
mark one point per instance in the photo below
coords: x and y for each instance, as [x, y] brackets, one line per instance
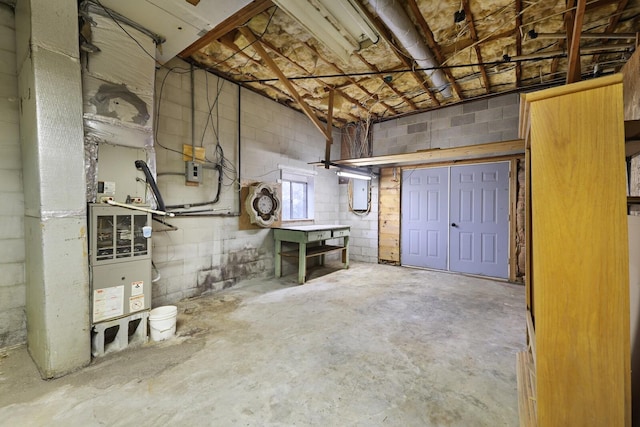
[353, 175]
[339, 25]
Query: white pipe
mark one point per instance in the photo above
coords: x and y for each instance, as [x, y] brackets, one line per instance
[397, 20]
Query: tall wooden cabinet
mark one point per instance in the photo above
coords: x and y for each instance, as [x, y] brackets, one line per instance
[577, 371]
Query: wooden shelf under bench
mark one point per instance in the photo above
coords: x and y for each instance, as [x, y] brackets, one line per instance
[302, 235]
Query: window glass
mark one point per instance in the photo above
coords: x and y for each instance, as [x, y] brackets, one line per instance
[297, 196]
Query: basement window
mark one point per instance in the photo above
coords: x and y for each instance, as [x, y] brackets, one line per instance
[297, 194]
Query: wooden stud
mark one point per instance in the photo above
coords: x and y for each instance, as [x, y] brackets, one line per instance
[574, 73]
[613, 22]
[352, 81]
[433, 45]
[518, 41]
[490, 150]
[283, 79]
[329, 142]
[474, 37]
[375, 69]
[513, 199]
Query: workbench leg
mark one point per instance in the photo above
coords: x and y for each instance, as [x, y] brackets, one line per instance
[302, 263]
[345, 253]
[278, 258]
[321, 260]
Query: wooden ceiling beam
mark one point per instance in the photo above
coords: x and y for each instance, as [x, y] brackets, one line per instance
[257, 46]
[574, 73]
[434, 46]
[462, 44]
[613, 22]
[399, 94]
[518, 41]
[352, 81]
[569, 16]
[234, 21]
[317, 80]
[474, 37]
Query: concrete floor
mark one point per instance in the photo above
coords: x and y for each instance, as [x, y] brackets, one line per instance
[374, 345]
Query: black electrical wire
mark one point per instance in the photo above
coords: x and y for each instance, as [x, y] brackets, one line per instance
[411, 70]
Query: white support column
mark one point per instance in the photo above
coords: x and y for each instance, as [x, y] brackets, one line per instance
[51, 134]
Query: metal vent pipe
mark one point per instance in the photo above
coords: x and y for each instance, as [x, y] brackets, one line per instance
[396, 19]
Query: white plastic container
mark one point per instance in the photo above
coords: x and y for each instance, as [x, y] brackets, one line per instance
[162, 322]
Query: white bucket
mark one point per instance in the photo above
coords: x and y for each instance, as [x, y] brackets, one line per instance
[162, 322]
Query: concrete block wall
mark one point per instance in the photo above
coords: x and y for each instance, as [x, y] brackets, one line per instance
[212, 253]
[477, 122]
[12, 254]
[363, 242]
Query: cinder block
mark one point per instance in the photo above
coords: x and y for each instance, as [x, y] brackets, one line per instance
[13, 203]
[13, 327]
[452, 111]
[510, 134]
[10, 180]
[491, 115]
[10, 135]
[502, 125]
[397, 131]
[12, 274]
[12, 251]
[11, 227]
[10, 158]
[510, 112]
[463, 120]
[504, 100]
[475, 129]
[417, 128]
[130, 332]
[12, 297]
[470, 107]
[388, 124]
[409, 120]
[438, 124]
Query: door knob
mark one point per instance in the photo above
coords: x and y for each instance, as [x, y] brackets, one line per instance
[453, 224]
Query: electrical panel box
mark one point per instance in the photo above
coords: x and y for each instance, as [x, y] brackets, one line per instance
[119, 262]
[194, 172]
[360, 201]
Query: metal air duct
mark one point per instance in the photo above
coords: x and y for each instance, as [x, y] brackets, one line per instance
[396, 19]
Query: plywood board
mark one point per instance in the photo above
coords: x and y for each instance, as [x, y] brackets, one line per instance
[389, 216]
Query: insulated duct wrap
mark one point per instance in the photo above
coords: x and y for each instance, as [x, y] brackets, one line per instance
[394, 16]
[118, 77]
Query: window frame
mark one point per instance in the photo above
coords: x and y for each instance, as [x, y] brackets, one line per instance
[293, 175]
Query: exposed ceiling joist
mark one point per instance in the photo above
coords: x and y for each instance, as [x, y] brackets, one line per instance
[433, 45]
[352, 81]
[574, 72]
[399, 94]
[518, 41]
[462, 54]
[248, 34]
[474, 37]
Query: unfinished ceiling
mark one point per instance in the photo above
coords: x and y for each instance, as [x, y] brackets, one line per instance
[476, 48]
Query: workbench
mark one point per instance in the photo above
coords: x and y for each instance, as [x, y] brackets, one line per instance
[305, 234]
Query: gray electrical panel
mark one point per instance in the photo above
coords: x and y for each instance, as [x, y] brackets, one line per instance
[119, 261]
[360, 200]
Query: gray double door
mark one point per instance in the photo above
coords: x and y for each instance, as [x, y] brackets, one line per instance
[456, 218]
